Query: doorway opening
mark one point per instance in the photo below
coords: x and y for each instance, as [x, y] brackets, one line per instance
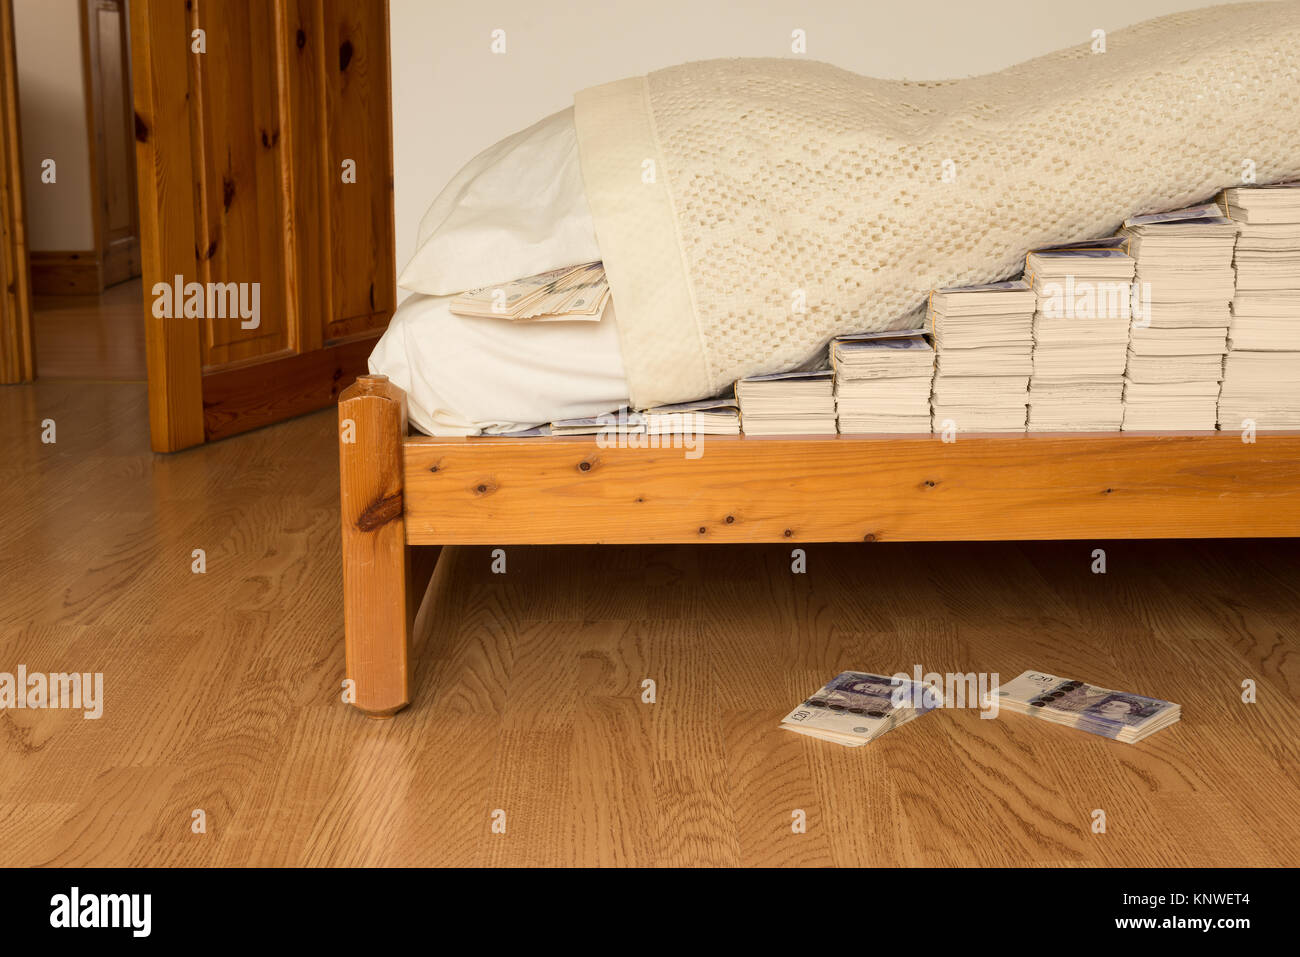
[79, 187]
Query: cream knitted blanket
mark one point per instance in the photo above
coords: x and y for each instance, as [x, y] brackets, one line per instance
[749, 210]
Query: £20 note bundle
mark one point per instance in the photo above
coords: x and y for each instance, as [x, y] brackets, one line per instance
[1112, 714]
[855, 707]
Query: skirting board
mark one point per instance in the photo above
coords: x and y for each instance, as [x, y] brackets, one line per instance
[67, 273]
[852, 488]
[84, 272]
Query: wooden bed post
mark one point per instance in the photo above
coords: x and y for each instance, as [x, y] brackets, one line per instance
[378, 594]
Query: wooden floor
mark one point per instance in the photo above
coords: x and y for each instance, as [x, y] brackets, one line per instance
[222, 689]
[91, 337]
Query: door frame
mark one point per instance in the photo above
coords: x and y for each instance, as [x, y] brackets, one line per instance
[119, 257]
[164, 184]
[17, 342]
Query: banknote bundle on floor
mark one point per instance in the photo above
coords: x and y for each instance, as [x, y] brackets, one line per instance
[1184, 284]
[855, 707]
[1261, 373]
[1081, 333]
[787, 403]
[1076, 704]
[984, 336]
[883, 381]
[567, 294]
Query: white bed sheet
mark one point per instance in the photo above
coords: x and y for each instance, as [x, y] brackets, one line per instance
[468, 376]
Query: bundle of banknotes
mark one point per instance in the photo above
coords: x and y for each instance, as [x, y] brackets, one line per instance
[1077, 704]
[1080, 351]
[623, 421]
[855, 707]
[787, 403]
[1177, 340]
[1261, 374]
[718, 416]
[571, 293]
[883, 381]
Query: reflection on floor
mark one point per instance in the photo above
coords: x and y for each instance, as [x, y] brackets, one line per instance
[91, 337]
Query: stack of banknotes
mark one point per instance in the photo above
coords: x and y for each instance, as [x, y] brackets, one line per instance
[566, 294]
[787, 403]
[1081, 334]
[1178, 338]
[1076, 704]
[1261, 375]
[985, 339]
[718, 416]
[883, 381]
[623, 421]
[855, 707]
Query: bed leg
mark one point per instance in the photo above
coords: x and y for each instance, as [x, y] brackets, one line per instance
[377, 588]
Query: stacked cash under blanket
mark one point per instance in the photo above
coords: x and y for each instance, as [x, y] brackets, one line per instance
[750, 210]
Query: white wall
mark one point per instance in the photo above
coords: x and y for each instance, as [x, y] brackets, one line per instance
[452, 96]
[52, 107]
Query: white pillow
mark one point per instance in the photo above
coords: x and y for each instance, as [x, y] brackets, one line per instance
[464, 375]
[517, 209]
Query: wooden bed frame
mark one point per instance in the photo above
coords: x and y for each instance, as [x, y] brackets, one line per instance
[399, 491]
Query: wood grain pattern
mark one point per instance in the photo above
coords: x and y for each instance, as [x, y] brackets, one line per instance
[223, 689]
[160, 44]
[376, 607]
[17, 340]
[302, 32]
[337, 91]
[853, 488]
[275, 388]
[359, 216]
[238, 168]
[265, 118]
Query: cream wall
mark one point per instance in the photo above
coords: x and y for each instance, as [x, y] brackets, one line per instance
[52, 104]
[452, 96]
